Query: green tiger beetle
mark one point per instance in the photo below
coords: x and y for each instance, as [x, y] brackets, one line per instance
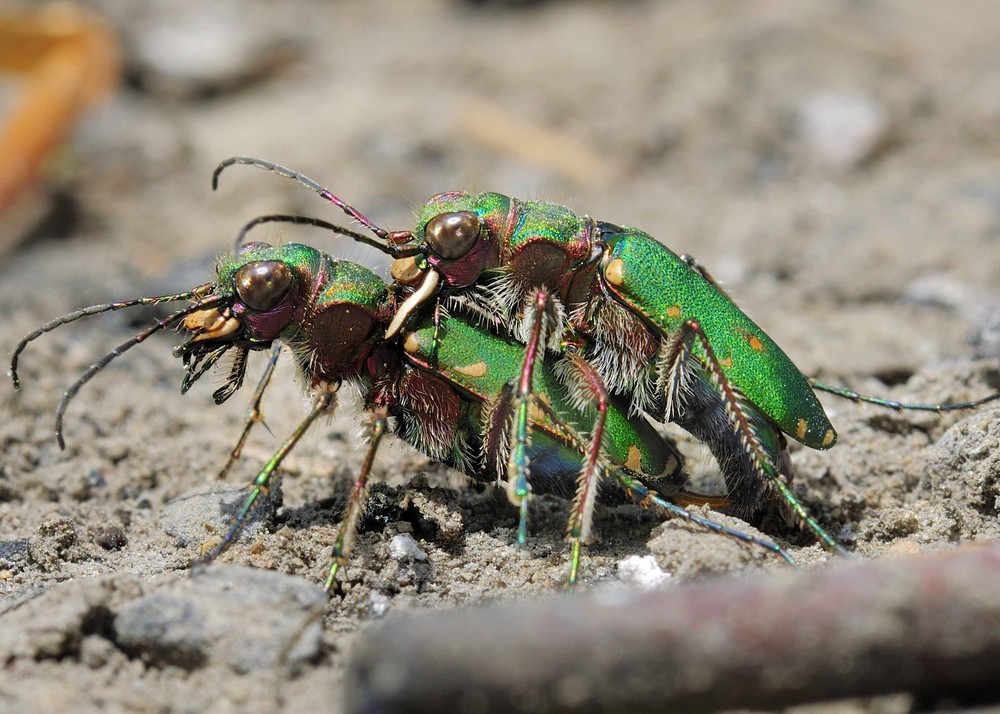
[456, 392]
[632, 320]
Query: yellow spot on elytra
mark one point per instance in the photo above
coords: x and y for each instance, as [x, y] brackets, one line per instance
[674, 311]
[726, 362]
[828, 437]
[412, 343]
[755, 344]
[802, 429]
[479, 369]
[615, 272]
[634, 460]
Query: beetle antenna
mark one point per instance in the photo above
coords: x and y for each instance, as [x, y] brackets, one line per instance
[395, 237]
[388, 248]
[93, 310]
[118, 351]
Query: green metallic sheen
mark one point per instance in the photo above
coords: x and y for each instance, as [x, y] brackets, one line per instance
[662, 288]
[493, 208]
[305, 261]
[514, 222]
[341, 280]
[463, 347]
[347, 282]
[548, 222]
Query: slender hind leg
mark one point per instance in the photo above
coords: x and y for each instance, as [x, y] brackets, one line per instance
[323, 402]
[582, 511]
[348, 528]
[518, 463]
[748, 447]
[255, 415]
[515, 407]
[648, 499]
[518, 402]
[901, 406]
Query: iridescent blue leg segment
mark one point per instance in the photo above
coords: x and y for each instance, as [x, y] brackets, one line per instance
[902, 406]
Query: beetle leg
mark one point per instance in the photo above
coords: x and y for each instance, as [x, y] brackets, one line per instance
[859, 398]
[648, 499]
[348, 528]
[634, 489]
[508, 430]
[582, 510]
[750, 447]
[518, 470]
[579, 524]
[255, 414]
[323, 402]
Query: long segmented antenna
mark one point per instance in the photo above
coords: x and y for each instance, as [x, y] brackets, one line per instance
[93, 310]
[392, 237]
[389, 248]
[902, 406]
[118, 351]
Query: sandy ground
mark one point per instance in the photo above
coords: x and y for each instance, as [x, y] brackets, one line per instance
[834, 164]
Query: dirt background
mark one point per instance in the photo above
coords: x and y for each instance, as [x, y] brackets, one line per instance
[833, 163]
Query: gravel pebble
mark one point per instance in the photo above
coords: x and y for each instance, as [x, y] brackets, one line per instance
[245, 618]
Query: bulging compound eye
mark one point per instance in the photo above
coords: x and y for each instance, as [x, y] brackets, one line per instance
[261, 285]
[453, 235]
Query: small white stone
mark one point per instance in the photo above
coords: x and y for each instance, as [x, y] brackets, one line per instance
[403, 547]
[842, 129]
[642, 572]
[380, 603]
[939, 289]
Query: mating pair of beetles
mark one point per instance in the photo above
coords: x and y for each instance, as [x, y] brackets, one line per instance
[519, 343]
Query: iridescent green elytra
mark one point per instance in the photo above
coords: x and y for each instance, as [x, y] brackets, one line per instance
[751, 359]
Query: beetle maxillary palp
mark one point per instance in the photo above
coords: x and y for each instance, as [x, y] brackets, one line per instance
[406, 271]
[412, 343]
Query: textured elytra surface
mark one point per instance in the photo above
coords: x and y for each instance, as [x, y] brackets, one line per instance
[868, 252]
